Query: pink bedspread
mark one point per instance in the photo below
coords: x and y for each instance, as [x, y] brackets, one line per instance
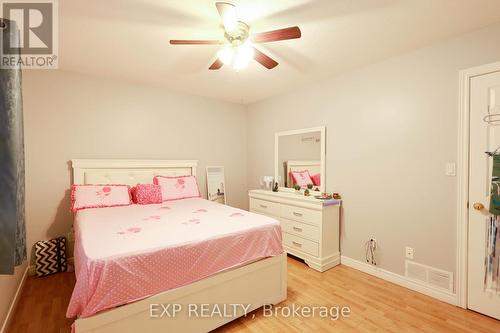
[124, 254]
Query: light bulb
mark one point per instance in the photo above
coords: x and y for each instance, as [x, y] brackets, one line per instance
[243, 56]
[230, 21]
[226, 55]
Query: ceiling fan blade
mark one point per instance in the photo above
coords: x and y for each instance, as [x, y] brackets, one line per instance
[195, 42]
[227, 12]
[264, 60]
[216, 65]
[276, 35]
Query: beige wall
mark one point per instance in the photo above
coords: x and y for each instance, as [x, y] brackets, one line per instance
[70, 115]
[8, 288]
[391, 128]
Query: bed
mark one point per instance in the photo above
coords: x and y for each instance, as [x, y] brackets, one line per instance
[191, 251]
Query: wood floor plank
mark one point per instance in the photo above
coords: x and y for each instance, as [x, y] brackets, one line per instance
[376, 306]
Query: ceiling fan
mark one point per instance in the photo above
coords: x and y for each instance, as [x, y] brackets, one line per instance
[239, 50]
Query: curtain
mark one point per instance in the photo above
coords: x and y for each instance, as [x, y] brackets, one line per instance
[12, 227]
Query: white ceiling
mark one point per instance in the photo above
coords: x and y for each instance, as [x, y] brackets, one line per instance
[129, 39]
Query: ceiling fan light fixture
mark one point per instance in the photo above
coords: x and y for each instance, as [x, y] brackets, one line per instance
[239, 50]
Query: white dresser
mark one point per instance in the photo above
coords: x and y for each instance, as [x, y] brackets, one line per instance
[310, 229]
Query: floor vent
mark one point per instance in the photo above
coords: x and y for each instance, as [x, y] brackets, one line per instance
[429, 275]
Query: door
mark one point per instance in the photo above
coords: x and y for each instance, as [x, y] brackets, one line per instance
[484, 96]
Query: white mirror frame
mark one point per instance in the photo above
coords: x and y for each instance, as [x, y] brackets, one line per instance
[321, 129]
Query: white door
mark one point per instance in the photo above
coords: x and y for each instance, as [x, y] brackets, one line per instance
[484, 96]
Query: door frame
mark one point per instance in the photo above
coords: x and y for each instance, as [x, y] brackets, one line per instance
[465, 77]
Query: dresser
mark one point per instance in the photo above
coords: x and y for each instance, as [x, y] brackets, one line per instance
[310, 228]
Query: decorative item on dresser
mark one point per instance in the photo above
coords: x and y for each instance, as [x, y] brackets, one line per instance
[310, 226]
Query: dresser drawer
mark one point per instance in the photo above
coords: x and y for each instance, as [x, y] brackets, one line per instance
[265, 207]
[301, 244]
[301, 214]
[300, 229]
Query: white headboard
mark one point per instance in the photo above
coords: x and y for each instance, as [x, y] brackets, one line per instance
[130, 172]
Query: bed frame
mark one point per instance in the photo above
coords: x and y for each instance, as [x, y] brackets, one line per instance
[258, 283]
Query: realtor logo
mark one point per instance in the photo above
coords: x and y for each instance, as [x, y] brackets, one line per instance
[29, 34]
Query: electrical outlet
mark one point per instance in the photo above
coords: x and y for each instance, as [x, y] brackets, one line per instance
[409, 252]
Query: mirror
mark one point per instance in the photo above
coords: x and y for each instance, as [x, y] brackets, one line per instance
[299, 158]
[216, 185]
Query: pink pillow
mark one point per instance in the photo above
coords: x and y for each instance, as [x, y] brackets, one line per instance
[99, 196]
[301, 178]
[146, 194]
[316, 179]
[174, 188]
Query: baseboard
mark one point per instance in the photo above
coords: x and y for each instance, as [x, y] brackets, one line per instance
[13, 305]
[401, 280]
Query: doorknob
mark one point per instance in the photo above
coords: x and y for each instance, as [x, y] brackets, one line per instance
[478, 206]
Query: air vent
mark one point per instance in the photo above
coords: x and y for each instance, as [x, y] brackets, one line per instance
[429, 275]
[416, 272]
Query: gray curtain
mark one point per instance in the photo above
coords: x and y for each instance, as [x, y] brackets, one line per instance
[12, 227]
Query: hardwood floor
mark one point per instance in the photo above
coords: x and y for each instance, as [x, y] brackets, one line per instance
[376, 306]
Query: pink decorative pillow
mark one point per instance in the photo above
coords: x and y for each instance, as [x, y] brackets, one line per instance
[147, 194]
[316, 179]
[301, 178]
[174, 188]
[99, 196]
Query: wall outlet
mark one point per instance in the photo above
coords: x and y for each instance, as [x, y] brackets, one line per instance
[409, 252]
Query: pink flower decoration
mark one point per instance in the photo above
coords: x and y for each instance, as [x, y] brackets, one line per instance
[180, 181]
[192, 221]
[106, 189]
[152, 217]
[134, 230]
[236, 214]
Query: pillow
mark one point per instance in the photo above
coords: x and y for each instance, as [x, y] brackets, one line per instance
[146, 194]
[99, 196]
[301, 178]
[174, 188]
[316, 179]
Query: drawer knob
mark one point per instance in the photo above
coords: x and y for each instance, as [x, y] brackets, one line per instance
[297, 229]
[297, 244]
[297, 214]
[263, 206]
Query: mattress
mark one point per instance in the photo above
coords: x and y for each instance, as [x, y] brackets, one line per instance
[124, 254]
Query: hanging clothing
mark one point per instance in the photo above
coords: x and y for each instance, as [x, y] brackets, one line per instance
[12, 219]
[492, 260]
[495, 186]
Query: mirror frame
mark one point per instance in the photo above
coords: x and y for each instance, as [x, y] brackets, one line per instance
[277, 135]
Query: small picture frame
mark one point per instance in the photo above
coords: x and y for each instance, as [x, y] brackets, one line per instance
[216, 184]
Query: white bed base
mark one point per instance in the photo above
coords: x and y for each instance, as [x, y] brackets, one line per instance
[258, 283]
